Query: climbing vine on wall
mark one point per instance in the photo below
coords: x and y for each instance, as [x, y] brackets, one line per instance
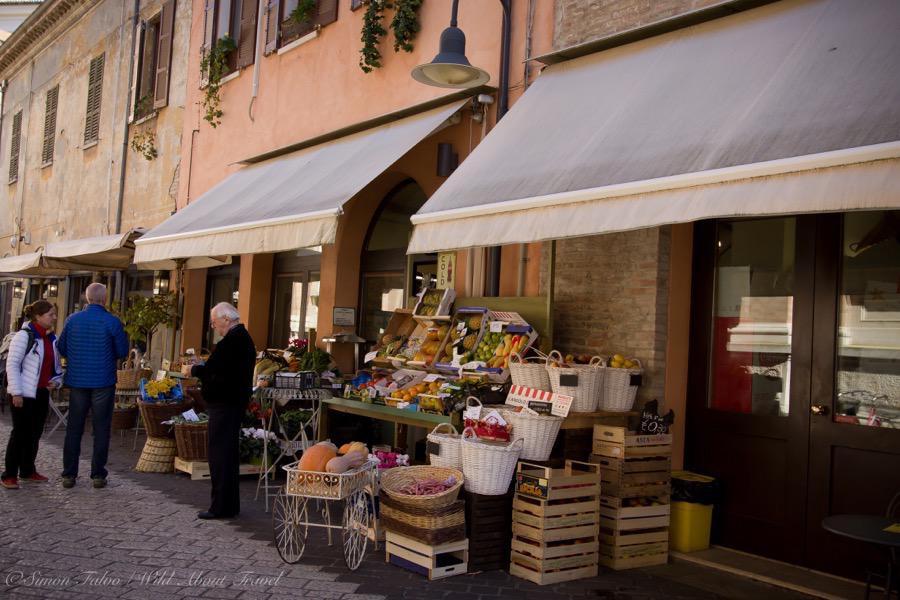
[213, 67]
[405, 25]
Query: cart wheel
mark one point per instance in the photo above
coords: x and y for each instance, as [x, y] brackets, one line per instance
[290, 525]
[356, 529]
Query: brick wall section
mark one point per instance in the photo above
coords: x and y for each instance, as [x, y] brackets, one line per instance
[612, 296]
[578, 21]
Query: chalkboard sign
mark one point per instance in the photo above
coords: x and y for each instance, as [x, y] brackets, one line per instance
[568, 380]
[636, 379]
[433, 448]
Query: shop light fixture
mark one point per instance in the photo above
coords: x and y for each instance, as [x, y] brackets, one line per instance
[160, 282]
[52, 290]
[234, 297]
[18, 290]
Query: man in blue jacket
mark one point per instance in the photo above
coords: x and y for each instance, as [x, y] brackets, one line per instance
[92, 342]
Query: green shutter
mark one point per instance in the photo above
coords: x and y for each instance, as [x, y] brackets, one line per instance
[15, 142]
[95, 96]
[50, 126]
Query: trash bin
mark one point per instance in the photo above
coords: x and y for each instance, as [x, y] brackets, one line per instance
[693, 497]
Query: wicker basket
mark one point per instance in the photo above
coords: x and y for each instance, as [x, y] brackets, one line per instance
[538, 433]
[432, 526]
[529, 372]
[158, 456]
[154, 413]
[488, 466]
[394, 479]
[327, 486]
[130, 375]
[447, 447]
[192, 440]
[124, 418]
[586, 394]
[618, 394]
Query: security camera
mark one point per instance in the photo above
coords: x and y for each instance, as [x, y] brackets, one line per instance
[485, 99]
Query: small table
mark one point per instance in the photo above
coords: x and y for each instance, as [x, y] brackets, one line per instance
[871, 529]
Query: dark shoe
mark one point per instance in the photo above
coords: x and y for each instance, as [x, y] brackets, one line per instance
[10, 483]
[68, 482]
[35, 477]
[207, 515]
[98, 482]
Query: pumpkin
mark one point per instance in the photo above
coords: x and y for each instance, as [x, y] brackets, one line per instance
[342, 464]
[316, 457]
[353, 447]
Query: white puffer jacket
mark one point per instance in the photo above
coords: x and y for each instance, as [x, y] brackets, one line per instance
[23, 372]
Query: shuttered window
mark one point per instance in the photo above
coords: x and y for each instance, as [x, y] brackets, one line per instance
[164, 55]
[153, 62]
[50, 126]
[324, 13]
[273, 12]
[95, 96]
[226, 18]
[14, 143]
[246, 52]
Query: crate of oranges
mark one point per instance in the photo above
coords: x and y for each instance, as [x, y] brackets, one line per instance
[409, 394]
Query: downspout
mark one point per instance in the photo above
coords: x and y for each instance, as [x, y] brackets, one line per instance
[262, 17]
[120, 201]
[502, 108]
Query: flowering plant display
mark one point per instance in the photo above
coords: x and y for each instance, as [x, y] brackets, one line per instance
[252, 442]
[298, 346]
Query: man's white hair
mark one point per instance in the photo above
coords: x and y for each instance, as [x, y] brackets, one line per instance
[225, 310]
[95, 293]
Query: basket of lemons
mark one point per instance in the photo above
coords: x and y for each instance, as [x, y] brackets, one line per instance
[620, 385]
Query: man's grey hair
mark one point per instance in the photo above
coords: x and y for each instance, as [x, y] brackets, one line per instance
[226, 310]
[95, 293]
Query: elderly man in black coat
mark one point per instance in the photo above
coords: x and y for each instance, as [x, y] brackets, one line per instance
[226, 379]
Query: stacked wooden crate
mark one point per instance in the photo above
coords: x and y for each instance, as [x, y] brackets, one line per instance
[634, 509]
[488, 528]
[434, 561]
[555, 523]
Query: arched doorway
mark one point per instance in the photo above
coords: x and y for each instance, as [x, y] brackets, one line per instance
[388, 277]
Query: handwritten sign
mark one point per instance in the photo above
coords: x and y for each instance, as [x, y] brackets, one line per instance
[370, 356]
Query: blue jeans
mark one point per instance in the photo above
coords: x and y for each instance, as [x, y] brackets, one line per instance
[100, 402]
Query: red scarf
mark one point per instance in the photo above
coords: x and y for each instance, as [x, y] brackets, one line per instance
[48, 367]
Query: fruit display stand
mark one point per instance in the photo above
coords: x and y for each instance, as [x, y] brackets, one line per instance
[634, 507]
[465, 332]
[555, 523]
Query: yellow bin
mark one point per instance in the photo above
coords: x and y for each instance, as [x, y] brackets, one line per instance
[690, 526]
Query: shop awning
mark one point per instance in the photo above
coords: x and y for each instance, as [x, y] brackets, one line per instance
[27, 265]
[101, 253]
[288, 202]
[792, 107]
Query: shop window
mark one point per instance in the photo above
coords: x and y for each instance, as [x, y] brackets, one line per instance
[868, 348]
[94, 100]
[152, 62]
[295, 312]
[296, 18]
[751, 334]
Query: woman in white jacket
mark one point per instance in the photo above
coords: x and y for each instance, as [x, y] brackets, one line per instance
[32, 370]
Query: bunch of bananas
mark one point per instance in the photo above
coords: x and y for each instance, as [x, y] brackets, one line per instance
[160, 387]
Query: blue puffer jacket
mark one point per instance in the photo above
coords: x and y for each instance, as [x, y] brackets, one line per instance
[91, 341]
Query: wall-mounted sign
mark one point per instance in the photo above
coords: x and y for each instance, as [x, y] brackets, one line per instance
[343, 317]
[446, 270]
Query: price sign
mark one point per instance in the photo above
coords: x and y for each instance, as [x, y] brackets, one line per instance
[370, 356]
[446, 270]
[497, 326]
[431, 377]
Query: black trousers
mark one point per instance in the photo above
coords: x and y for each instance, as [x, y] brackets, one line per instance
[28, 425]
[224, 459]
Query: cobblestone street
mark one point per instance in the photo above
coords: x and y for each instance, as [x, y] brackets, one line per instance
[140, 538]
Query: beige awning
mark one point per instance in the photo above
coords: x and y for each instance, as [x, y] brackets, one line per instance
[793, 107]
[27, 265]
[101, 253]
[288, 202]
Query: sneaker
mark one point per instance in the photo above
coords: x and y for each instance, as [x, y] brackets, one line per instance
[68, 482]
[35, 477]
[99, 482]
[10, 483]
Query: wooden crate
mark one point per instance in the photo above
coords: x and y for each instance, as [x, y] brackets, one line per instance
[577, 479]
[434, 562]
[489, 530]
[199, 469]
[616, 516]
[646, 557]
[618, 442]
[553, 562]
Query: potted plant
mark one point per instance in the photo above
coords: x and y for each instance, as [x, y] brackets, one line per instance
[144, 314]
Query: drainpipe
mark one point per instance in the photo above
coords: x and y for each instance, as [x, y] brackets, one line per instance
[502, 108]
[262, 17]
[128, 100]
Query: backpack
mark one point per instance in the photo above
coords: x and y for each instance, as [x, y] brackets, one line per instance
[4, 352]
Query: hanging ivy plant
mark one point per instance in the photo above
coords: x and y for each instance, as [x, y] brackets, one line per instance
[144, 142]
[372, 32]
[405, 24]
[213, 67]
[303, 12]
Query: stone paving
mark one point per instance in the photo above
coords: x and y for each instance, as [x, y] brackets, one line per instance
[139, 538]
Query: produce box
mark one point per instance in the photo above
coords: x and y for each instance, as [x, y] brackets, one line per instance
[399, 327]
[576, 480]
[434, 304]
[507, 332]
[434, 562]
[618, 442]
[464, 333]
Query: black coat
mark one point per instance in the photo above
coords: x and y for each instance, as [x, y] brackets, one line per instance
[227, 377]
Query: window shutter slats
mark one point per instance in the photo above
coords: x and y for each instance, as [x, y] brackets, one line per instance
[209, 28]
[272, 20]
[164, 55]
[95, 95]
[14, 143]
[327, 13]
[324, 14]
[50, 126]
[136, 72]
[247, 33]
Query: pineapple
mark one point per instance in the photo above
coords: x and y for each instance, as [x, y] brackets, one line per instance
[474, 323]
[469, 341]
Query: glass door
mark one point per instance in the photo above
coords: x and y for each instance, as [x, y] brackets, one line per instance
[295, 313]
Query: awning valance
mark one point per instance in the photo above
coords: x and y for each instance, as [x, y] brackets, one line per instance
[792, 107]
[101, 253]
[27, 265]
[288, 202]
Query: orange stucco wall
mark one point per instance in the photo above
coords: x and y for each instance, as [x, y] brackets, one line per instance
[194, 290]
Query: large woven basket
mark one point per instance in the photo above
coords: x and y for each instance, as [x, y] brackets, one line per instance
[430, 526]
[154, 413]
[529, 372]
[130, 375]
[395, 479]
[158, 456]
[192, 440]
[124, 418]
[538, 433]
[488, 466]
[586, 394]
[447, 445]
[618, 394]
